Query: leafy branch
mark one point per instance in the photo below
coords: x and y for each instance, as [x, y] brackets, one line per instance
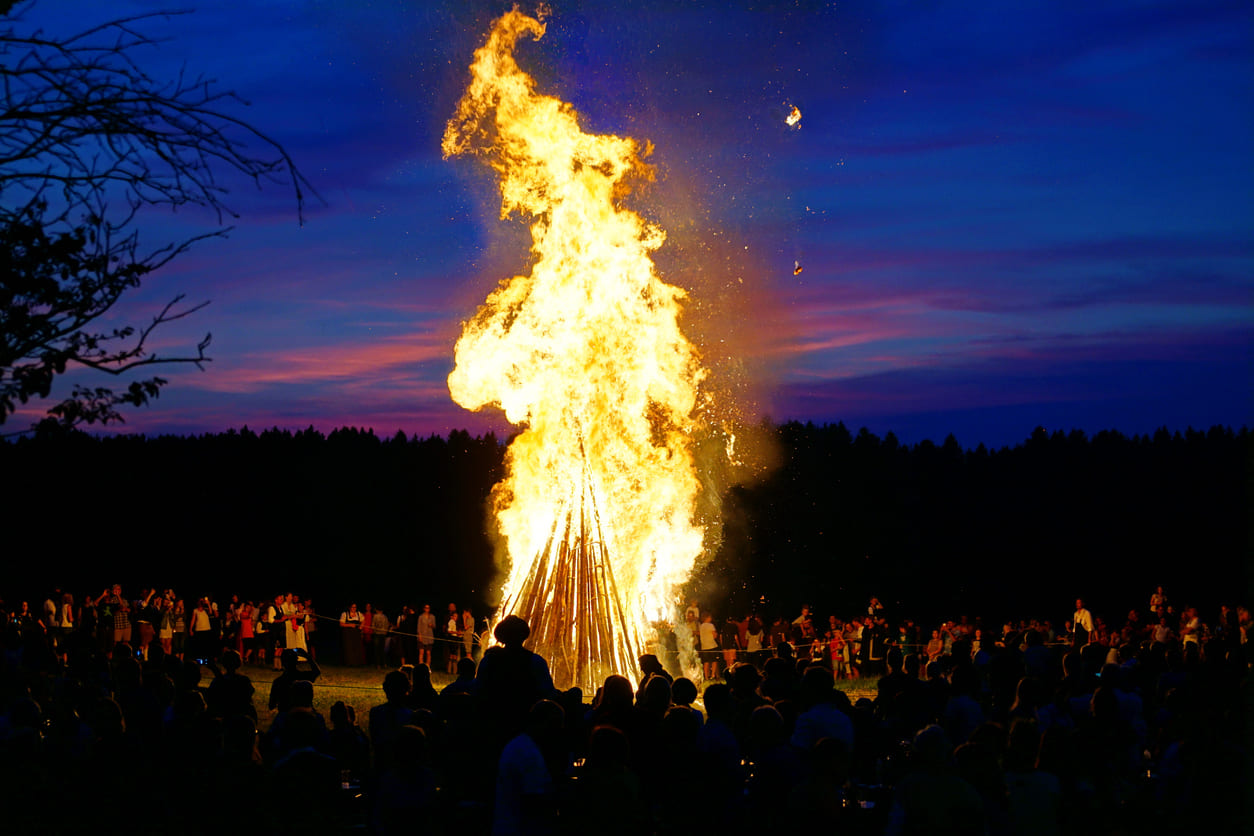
[88, 138]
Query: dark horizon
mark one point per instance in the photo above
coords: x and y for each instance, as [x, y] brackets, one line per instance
[841, 516]
[506, 431]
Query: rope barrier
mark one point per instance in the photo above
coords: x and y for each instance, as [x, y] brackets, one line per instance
[392, 631]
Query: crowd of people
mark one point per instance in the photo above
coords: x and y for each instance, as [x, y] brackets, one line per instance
[1021, 730]
[857, 646]
[257, 630]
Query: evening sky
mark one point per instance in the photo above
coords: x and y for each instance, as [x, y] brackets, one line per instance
[1005, 214]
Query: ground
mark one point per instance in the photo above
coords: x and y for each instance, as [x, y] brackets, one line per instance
[363, 687]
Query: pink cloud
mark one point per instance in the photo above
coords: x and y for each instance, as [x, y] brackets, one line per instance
[363, 362]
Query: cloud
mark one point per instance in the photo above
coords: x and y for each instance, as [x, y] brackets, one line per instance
[344, 363]
[1114, 367]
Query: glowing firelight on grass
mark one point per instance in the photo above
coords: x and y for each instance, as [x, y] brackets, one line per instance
[585, 353]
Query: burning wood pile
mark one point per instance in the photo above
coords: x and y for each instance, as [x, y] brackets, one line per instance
[596, 511]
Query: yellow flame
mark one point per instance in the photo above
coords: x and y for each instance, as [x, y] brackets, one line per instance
[793, 117]
[586, 352]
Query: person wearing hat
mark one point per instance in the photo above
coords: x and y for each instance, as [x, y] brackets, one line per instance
[511, 679]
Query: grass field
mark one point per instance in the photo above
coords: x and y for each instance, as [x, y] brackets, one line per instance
[362, 688]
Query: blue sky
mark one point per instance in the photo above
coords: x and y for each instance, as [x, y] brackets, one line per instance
[1006, 214]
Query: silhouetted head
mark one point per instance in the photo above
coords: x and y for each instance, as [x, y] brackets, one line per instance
[342, 714]
[717, 700]
[1023, 745]
[608, 748]
[395, 686]
[817, 684]
[657, 694]
[1104, 705]
[1028, 693]
[745, 678]
[649, 664]
[106, 720]
[410, 750]
[301, 694]
[239, 735]
[766, 729]
[571, 701]
[512, 631]
[910, 665]
[421, 674]
[616, 693]
[1112, 676]
[301, 729]
[545, 720]
[830, 758]
[231, 660]
[681, 728]
[683, 691]
[931, 748]
[778, 668]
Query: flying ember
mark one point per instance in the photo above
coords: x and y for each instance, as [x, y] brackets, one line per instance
[586, 354]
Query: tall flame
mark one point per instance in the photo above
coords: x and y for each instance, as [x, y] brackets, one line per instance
[597, 507]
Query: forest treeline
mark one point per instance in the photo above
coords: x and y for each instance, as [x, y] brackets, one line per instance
[930, 529]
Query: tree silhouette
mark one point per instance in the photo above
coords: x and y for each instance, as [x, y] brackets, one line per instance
[932, 530]
[89, 139]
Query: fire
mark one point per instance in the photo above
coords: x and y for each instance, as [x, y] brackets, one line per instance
[585, 353]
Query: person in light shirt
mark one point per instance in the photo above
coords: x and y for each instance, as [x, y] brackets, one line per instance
[294, 618]
[708, 646]
[1081, 624]
[1190, 627]
[202, 631]
[1162, 631]
[426, 635]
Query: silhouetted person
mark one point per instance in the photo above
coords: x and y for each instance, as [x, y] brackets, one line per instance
[511, 679]
[526, 797]
[231, 692]
[606, 782]
[820, 718]
[304, 782]
[422, 693]
[279, 698]
[651, 666]
[464, 683]
[932, 799]
[406, 791]
[387, 719]
[347, 743]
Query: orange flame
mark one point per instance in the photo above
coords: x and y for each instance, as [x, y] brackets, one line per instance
[586, 353]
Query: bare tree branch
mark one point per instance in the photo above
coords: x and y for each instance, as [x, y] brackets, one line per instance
[88, 138]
